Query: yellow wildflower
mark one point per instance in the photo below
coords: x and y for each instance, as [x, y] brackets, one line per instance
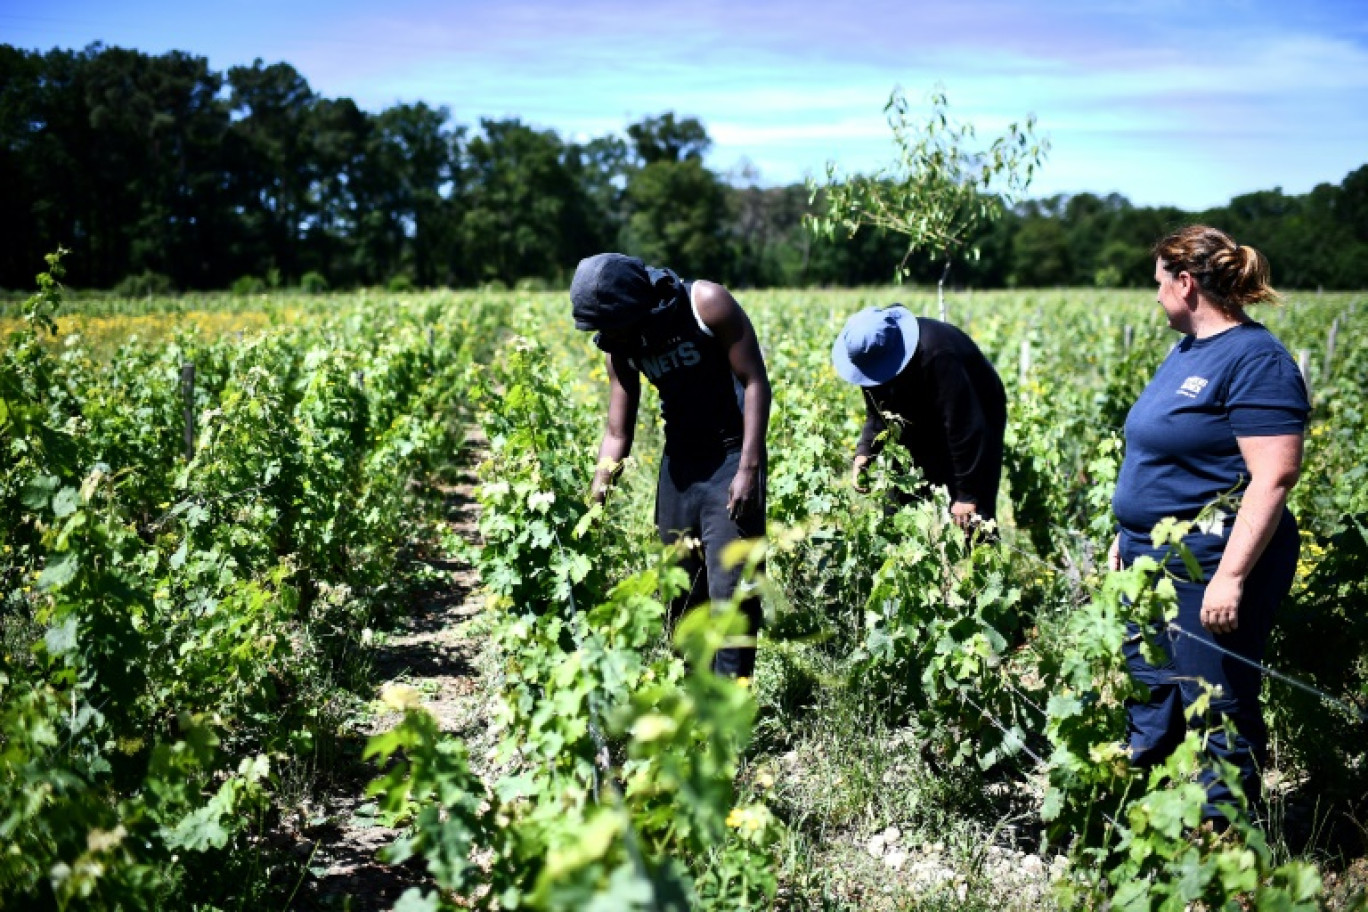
[400, 697]
[653, 726]
[749, 820]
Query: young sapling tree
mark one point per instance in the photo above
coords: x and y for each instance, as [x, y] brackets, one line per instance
[940, 192]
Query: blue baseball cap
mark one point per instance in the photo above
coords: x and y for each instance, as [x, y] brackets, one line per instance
[875, 345]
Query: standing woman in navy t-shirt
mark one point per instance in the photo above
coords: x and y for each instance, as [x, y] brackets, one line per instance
[1223, 416]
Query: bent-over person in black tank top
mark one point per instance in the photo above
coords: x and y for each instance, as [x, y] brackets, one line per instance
[695, 344]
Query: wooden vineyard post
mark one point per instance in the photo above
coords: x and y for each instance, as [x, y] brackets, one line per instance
[1304, 365]
[1330, 341]
[940, 294]
[1127, 337]
[187, 388]
[1025, 364]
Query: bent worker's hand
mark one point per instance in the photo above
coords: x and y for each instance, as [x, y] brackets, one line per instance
[1114, 554]
[743, 493]
[964, 513]
[857, 474]
[598, 488]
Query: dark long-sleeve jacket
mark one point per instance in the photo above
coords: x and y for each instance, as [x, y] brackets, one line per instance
[953, 413]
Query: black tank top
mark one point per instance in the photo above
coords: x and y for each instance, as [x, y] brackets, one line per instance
[700, 398]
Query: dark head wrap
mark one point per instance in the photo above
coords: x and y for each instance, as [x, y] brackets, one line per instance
[612, 290]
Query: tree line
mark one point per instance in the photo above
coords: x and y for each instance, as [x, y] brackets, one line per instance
[161, 174]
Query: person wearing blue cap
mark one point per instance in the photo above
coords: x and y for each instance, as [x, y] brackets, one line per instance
[946, 398]
[697, 347]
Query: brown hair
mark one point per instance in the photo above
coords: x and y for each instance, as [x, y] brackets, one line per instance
[1230, 276]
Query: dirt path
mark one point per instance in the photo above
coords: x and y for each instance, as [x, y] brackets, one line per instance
[433, 651]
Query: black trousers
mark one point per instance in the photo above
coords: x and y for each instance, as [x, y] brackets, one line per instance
[691, 500]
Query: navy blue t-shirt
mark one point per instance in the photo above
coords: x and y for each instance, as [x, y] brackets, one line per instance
[1181, 448]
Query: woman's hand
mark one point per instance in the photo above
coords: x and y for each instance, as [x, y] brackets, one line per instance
[1114, 554]
[1221, 603]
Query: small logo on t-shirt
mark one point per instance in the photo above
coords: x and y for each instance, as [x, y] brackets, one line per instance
[1213, 523]
[1192, 386]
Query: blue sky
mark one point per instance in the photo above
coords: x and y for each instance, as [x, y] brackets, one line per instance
[1167, 102]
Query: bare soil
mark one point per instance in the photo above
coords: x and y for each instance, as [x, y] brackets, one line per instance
[434, 651]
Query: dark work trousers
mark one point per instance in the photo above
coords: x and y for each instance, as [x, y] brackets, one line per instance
[691, 500]
[1157, 726]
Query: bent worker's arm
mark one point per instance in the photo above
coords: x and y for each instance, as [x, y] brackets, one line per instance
[870, 442]
[624, 396]
[967, 435]
[720, 313]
